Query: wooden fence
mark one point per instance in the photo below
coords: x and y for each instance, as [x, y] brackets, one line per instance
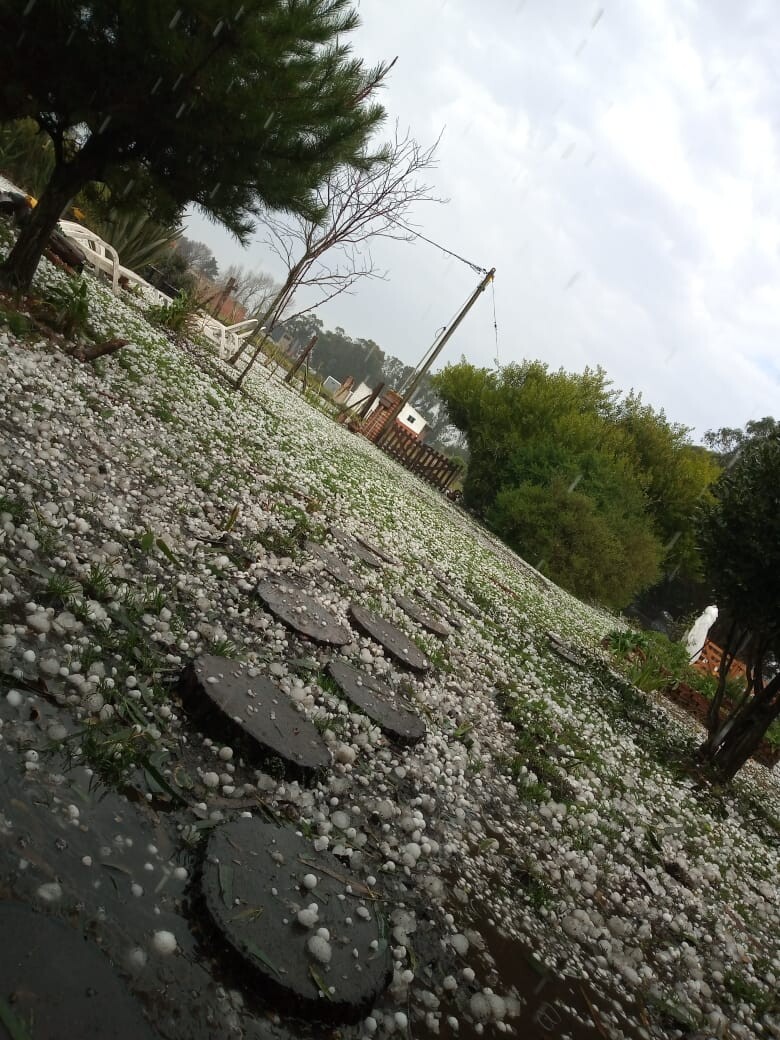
[420, 458]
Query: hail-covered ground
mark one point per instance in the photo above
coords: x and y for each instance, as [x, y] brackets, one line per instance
[546, 824]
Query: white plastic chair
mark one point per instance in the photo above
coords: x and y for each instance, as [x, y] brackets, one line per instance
[227, 338]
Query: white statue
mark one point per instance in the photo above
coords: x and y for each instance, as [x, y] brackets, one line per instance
[697, 636]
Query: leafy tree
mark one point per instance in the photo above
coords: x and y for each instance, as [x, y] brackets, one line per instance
[566, 534]
[236, 108]
[679, 476]
[170, 270]
[198, 257]
[138, 238]
[26, 155]
[727, 441]
[591, 485]
[740, 538]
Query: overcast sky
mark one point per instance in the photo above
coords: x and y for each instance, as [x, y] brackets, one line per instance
[617, 163]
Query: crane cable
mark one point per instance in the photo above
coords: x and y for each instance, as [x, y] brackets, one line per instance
[495, 320]
[437, 245]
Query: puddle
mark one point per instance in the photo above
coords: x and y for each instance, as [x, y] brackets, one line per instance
[120, 868]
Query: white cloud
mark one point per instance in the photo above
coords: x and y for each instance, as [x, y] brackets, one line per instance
[620, 175]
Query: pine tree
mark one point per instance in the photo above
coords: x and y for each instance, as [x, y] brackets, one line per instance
[233, 107]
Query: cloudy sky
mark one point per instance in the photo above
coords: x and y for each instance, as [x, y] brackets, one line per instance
[617, 162]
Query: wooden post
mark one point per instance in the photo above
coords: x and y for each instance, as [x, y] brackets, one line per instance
[434, 353]
[304, 356]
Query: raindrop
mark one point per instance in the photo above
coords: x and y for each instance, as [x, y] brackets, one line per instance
[175, 20]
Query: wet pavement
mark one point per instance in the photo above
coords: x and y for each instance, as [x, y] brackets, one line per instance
[118, 872]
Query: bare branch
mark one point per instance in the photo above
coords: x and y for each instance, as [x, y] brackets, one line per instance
[360, 203]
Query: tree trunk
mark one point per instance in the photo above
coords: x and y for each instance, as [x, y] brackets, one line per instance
[737, 739]
[269, 320]
[740, 742]
[99, 350]
[239, 380]
[19, 267]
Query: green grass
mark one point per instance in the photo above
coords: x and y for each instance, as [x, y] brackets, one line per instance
[17, 508]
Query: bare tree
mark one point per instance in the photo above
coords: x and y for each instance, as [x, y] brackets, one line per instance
[252, 290]
[357, 203]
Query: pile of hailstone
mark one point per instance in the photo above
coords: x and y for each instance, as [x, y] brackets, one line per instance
[145, 476]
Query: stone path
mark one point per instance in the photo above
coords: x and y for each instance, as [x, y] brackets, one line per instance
[392, 638]
[445, 612]
[376, 700]
[354, 546]
[302, 612]
[312, 934]
[255, 712]
[377, 550]
[416, 613]
[454, 595]
[562, 649]
[335, 566]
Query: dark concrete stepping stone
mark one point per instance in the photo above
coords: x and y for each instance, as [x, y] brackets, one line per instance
[354, 546]
[54, 984]
[254, 712]
[335, 566]
[377, 550]
[378, 702]
[388, 635]
[439, 628]
[301, 612]
[253, 887]
[444, 612]
[558, 646]
[462, 602]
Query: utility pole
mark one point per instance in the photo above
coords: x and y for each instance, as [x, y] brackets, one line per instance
[431, 356]
[310, 346]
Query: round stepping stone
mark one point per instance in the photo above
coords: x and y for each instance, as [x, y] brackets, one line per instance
[443, 611]
[376, 700]
[254, 712]
[439, 628]
[377, 550]
[335, 566]
[354, 546]
[388, 635]
[462, 602]
[253, 886]
[53, 983]
[302, 613]
[558, 646]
